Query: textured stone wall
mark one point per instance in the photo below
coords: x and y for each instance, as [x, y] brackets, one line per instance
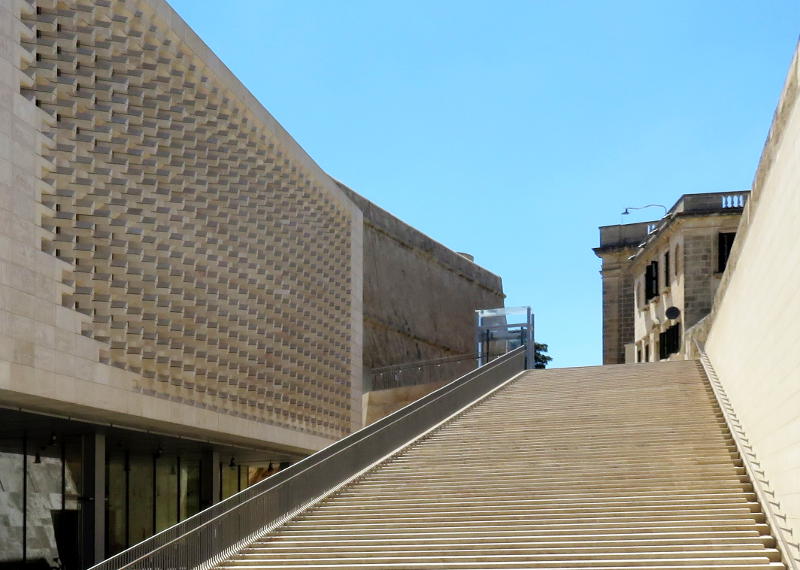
[617, 244]
[618, 309]
[698, 262]
[185, 240]
[419, 296]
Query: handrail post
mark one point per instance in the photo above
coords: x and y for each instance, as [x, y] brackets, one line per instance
[530, 351]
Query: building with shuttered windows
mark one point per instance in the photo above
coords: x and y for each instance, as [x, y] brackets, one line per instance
[659, 277]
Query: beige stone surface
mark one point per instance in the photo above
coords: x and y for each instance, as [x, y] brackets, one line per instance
[419, 296]
[689, 234]
[170, 258]
[755, 328]
[599, 467]
[692, 243]
[380, 403]
[618, 304]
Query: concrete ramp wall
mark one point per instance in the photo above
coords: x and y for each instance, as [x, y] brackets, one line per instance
[753, 340]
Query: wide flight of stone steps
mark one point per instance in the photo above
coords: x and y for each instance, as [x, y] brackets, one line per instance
[603, 467]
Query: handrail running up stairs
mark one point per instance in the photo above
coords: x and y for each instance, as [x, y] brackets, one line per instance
[213, 534]
[787, 543]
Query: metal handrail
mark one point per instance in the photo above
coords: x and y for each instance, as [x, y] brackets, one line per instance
[786, 544]
[423, 363]
[213, 534]
[439, 370]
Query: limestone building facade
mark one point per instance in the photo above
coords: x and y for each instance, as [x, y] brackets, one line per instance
[426, 317]
[182, 289]
[659, 277]
[419, 303]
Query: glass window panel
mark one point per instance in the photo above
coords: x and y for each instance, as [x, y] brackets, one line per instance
[11, 499]
[260, 472]
[69, 522]
[190, 487]
[44, 500]
[116, 475]
[243, 471]
[166, 492]
[230, 480]
[73, 457]
[140, 487]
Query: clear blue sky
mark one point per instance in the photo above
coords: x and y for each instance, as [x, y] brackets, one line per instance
[512, 130]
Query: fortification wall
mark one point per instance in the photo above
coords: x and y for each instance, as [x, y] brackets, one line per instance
[169, 257]
[419, 296]
[754, 330]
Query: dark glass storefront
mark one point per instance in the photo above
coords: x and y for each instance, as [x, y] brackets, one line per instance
[42, 499]
[148, 493]
[72, 494]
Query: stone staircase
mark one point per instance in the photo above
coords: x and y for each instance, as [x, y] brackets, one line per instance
[603, 467]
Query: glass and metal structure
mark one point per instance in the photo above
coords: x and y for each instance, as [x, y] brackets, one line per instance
[498, 331]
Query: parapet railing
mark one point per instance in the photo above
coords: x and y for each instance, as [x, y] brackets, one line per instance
[699, 204]
[420, 372]
[220, 530]
[710, 202]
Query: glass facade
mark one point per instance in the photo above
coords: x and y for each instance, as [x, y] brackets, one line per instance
[147, 493]
[189, 488]
[140, 510]
[40, 507]
[166, 492]
[49, 487]
[11, 500]
[117, 502]
[229, 476]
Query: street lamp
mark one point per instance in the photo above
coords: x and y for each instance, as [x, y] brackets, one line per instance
[628, 210]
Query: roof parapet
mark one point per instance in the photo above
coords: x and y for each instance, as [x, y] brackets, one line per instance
[640, 233]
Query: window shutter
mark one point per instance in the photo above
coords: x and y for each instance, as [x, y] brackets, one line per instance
[651, 280]
[724, 244]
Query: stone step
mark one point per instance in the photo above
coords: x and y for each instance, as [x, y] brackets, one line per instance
[669, 486]
[737, 539]
[535, 514]
[754, 563]
[431, 512]
[560, 501]
[506, 554]
[612, 468]
[587, 525]
[574, 534]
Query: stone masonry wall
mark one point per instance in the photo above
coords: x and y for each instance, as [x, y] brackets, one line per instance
[419, 296]
[618, 309]
[697, 290]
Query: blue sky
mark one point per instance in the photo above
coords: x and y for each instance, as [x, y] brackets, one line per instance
[512, 130]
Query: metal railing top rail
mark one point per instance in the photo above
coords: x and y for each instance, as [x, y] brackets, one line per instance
[786, 543]
[418, 373]
[433, 371]
[423, 363]
[216, 532]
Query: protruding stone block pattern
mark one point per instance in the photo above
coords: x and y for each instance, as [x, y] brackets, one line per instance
[206, 259]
